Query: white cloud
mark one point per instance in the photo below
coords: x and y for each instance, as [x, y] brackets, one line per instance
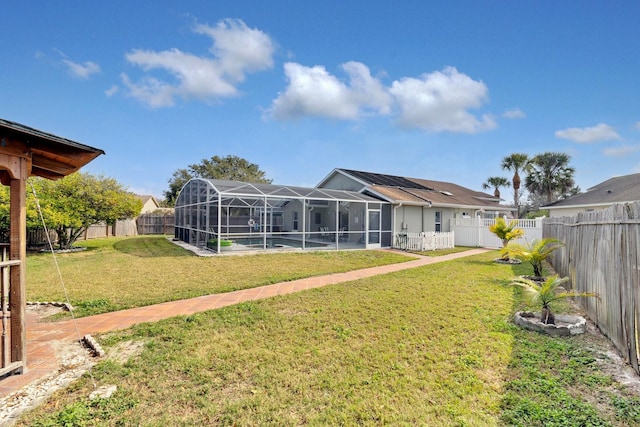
[82, 71]
[237, 50]
[313, 91]
[514, 113]
[621, 151]
[600, 132]
[439, 101]
[112, 91]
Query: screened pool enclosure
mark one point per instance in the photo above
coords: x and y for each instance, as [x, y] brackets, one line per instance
[238, 216]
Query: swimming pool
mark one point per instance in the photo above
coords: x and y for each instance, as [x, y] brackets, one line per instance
[276, 242]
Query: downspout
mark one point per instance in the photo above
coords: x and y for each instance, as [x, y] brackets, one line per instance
[395, 217]
[427, 206]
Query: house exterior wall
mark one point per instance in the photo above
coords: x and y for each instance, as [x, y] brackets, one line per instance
[573, 211]
[288, 216]
[341, 182]
[149, 206]
[418, 219]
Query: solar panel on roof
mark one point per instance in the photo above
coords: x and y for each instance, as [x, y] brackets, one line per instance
[388, 180]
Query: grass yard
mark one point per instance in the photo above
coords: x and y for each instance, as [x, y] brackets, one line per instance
[119, 273]
[432, 346]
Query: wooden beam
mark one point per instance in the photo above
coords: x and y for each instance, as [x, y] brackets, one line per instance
[49, 164]
[18, 251]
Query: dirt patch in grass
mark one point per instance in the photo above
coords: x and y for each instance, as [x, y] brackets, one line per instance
[610, 361]
[74, 360]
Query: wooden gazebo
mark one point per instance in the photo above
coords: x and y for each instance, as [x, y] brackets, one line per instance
[25, 152]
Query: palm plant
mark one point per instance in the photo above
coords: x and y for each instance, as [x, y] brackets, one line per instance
[516, 162]
[496, 182]
[506, 233]
[550, 176]
[534, 253]
[545, 293]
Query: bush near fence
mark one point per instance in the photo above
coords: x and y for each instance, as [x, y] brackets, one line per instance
[602, 255]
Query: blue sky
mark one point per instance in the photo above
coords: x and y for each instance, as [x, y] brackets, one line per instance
[434, 90]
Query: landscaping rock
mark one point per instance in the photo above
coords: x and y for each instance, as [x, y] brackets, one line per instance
[565, 325]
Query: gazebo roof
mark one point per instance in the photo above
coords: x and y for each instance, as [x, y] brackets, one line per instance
[52, 156]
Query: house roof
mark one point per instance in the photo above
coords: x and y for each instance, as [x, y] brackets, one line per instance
[620, 189]
[144, 198]
[51, 156]
[397, 189]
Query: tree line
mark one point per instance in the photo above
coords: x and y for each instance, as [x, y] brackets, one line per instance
[548, 177]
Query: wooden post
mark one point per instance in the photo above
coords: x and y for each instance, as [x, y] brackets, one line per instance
[18, 251]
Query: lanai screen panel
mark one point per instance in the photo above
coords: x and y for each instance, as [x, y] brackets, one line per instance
[236, 216]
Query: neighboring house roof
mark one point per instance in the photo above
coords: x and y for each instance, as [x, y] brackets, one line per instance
[397, 189]
[144, 199]
[620, 189]
[149, 203]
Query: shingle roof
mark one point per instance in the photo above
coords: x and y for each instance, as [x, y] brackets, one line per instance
[421, 191]
[52, 156]
[381, 179]
[615, 190]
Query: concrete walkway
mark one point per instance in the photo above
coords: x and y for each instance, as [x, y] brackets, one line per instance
[41, 357]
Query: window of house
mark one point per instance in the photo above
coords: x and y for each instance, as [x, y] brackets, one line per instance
[438, 221]
[318, 218]
[295, 220]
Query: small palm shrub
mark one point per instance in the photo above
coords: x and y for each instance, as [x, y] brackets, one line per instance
[543, 294]
[506, 233]
[535, 253]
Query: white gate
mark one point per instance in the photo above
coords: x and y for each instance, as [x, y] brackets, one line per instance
[475, 232]
[425, 241]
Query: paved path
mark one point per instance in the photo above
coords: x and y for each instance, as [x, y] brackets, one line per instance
[41, 358]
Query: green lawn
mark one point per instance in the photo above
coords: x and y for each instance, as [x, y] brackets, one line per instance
[118, 273]
[432, 346]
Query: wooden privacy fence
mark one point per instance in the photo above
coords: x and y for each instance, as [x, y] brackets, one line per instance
[156, 223]
[145, 224]
[602, 255]
[425, 241]
[474, 232]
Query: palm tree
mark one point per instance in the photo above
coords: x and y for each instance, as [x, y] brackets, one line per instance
[506, 233]
[496, 182]
[535, 253]
[516, 162]
[550, 176]
[547, 292]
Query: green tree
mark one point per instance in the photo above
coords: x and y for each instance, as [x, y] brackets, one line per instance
[233, 168]
[495, 182]
[516, 162]
[76, 202]
[550, 177]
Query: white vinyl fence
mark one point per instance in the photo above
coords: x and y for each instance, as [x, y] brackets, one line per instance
[425, 241]
[475, 232]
